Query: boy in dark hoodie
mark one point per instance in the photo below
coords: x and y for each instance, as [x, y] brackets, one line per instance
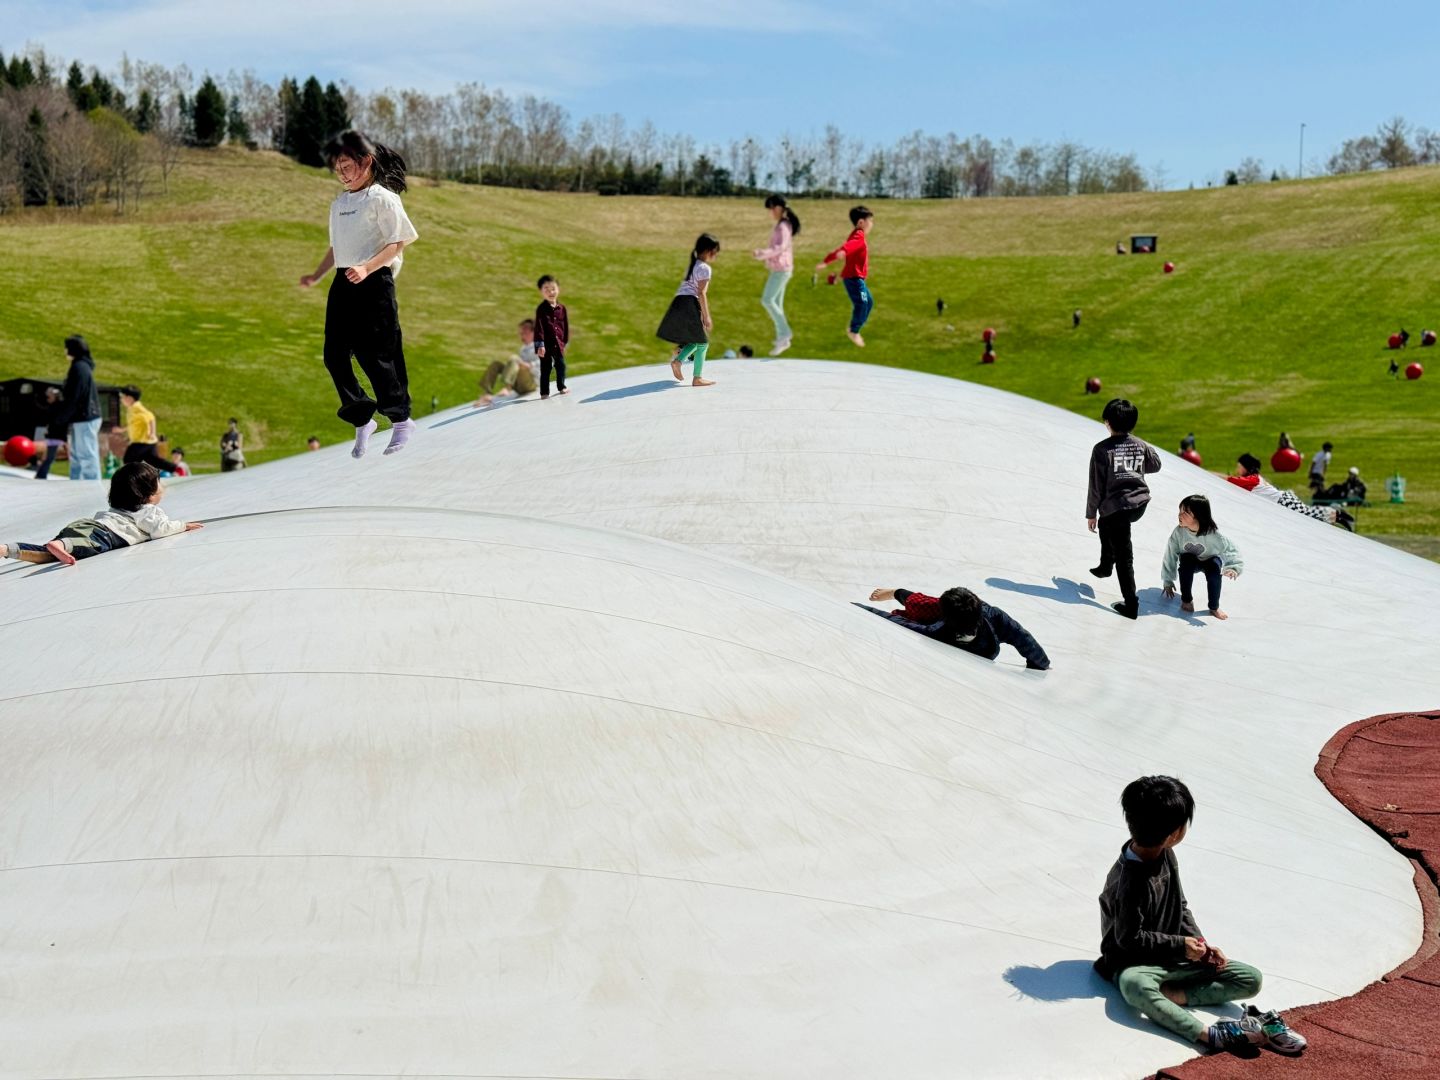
[1150, 946]
[1118, 496]
[960, 618]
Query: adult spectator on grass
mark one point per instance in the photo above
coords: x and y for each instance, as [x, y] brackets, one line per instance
[232, 448]
[78, 413]
[140, 426]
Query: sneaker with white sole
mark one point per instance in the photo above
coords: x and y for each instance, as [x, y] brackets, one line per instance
[1231, 1036]
[1279, 1036]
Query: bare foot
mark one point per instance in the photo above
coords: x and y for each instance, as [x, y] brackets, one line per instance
[57, 548]
[1218, 613]
[883, 594]
[484, 401]
[856, 338]
[675, 370]
[697, 381]
[1186, 605]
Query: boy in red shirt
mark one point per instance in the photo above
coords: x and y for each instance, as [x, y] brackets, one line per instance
[857, 269]
[552, 335]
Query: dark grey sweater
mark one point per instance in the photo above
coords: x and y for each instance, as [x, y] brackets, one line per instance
[1144, 918]
[1118, 465]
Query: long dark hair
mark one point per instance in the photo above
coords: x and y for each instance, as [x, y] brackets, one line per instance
[1198, 507]
[389, 168]
[773, 201]
[77, 348]
[702, 245]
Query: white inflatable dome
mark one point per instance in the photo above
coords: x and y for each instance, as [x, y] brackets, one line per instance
[554, 747]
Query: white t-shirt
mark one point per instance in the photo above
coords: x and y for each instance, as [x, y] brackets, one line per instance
[137, 526]
[691, 285]
[1320, 462]
[362, 222]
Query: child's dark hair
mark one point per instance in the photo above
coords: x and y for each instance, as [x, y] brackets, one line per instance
[1250, 463]
[961, 610]
[1155, 806]
[1198, 506]
[131, 391]
[234, 421]
[389, 168]
[704, 243]
[77, 348]
[177, 450]
[545, 279]
[747, 351]
[132, 485]
[772, 201]
[1121, 415]
[859, 214]
[527, 322]
[1328, 447]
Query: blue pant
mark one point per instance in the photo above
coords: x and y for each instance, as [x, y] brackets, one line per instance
[860, 301]
[85, 450]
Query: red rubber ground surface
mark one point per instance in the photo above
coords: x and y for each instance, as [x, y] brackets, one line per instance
[1387, 771]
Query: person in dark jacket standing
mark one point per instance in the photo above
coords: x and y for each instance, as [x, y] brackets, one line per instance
[552, 335]
[1118, 497]
[960, 618]
[79, 411]
[55, 434]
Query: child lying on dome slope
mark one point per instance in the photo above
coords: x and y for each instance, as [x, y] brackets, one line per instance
[962, 619]
[133, 517]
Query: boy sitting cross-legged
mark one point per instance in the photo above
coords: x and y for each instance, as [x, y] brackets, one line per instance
[1151, 947]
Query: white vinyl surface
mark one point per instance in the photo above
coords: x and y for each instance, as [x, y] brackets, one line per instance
[552, 747]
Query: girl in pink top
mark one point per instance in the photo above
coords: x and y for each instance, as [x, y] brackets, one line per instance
[780, 260]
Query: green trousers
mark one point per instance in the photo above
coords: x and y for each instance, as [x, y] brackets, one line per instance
[1140, 987]
[697, 353]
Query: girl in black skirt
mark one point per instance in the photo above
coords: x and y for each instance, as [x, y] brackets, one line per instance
[369, 231]
[688, 319]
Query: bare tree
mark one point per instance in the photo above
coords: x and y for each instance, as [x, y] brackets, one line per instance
[71, 143]
[1393, 137]
[1355, 155]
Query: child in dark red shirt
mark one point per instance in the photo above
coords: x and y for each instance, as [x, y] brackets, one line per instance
[552, 335]
[960, 618]
[857, 268]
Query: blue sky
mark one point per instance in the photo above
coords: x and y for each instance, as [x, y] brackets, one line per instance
[1196, 86]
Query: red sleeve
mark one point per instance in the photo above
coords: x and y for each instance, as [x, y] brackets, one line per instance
[922, 609]
[1249, 483]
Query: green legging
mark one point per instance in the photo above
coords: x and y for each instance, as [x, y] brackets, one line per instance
[694, 352]
[1140, 987]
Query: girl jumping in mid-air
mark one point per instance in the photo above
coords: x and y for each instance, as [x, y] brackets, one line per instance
[687, 321]
[369, 232]
[780, 261]
[1196, 544]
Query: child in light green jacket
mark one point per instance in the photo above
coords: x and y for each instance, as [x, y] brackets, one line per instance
[1197, 544]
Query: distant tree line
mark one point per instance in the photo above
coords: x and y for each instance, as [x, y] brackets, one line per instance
[88, 136]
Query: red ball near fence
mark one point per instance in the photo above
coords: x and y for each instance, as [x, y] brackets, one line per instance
[19, 450]
[1395, 341]
[1192, 456]
[1169, 268]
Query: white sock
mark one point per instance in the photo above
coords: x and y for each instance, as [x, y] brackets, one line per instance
[399, 435]
[362, 437]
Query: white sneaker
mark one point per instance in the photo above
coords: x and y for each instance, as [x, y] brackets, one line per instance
[780, 346]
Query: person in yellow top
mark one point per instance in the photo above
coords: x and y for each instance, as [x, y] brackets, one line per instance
[140, 424]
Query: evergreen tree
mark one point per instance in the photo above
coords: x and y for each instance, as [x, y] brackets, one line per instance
[186, 110]
[34, 162]
[209, 114]
[310, 136]
[146, 112]
[289, 100]
[238, 131]
[75, 83]
[21, 73]
[4, 71]
[337, 111]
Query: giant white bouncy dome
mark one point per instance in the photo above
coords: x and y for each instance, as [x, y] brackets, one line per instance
[553, 747]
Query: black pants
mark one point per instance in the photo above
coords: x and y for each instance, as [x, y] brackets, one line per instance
[363, 321]
[145, 451]
[557, 361]
[1115, 549]
[1210, 567]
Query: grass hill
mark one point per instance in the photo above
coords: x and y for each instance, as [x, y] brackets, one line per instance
[1276, 317]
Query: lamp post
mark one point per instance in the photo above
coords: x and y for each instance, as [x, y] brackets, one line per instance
[1300, 172]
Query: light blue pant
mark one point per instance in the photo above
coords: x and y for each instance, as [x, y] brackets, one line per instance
[85, 450]
[773, 301]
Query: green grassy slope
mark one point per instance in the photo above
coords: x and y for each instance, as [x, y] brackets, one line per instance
[1276, 317]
